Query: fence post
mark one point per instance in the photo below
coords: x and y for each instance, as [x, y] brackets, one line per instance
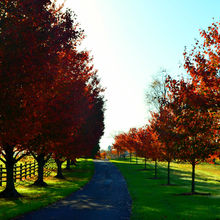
[21, 172]
[15, 172]
[0, 175]
[30, 169]
[25, 170]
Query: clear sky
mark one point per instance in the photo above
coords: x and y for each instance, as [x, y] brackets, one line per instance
[131, 40]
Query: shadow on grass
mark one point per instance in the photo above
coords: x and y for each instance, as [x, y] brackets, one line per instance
[147, 169]
[152, 200]
[195, 193]
[35, 197]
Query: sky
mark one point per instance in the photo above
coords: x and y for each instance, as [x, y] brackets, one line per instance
[131, 41]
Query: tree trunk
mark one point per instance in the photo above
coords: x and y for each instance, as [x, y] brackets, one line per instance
[136, 159]
[40, 178]
[59, 169]
[168, 173]
[73, 162]
[155, 170]
[193, 177]
[68, 164]
[145, 163]
[130, 157]
[9, 191]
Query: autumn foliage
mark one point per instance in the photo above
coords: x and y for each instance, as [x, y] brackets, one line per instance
[51, 100]
[186, 125]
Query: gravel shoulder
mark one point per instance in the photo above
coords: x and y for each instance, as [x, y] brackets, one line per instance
[105, 197]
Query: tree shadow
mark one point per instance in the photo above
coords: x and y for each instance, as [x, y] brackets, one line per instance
[191, 194]
[153, 198]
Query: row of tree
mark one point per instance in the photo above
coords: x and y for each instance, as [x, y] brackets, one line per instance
[51, 100]
[185, 123]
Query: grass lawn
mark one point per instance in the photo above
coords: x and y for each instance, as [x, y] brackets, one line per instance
[152, 199]
[36, 197]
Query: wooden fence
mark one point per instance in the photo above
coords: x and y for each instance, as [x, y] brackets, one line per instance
[21, 172]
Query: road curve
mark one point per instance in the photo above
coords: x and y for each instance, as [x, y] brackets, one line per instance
[105, 197]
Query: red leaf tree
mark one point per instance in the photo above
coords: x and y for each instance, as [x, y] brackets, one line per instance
[195, 126]
[144, 141]
[163, 124]
[120, 144]
[31, 35]
[196, 102]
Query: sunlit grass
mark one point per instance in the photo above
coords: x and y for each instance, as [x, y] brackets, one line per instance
[36, 197]
[152, 199]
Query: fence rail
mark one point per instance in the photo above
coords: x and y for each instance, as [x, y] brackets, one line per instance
[21, 172]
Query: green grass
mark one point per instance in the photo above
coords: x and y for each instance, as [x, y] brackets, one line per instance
[153, 200]
[36, 197]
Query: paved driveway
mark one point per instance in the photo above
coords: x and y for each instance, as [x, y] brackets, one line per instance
[105, 197]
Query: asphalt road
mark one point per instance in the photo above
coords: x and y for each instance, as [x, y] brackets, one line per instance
[105, 197]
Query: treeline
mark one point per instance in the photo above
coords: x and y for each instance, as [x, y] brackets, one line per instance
[185, 123]
[51, 100]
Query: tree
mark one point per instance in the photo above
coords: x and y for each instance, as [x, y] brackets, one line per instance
[103, 155]
[202, 64]
[156, 93]
[120, 144]
[31, 35]
[155, 152]
[196, 102]
[69, 110]
[143, 146]
[195, 126]
[131, 140]
[93, 129]
[164, 125]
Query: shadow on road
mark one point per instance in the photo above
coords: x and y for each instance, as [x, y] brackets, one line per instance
[104, 197]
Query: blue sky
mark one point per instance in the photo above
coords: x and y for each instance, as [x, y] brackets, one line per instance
[131, 40]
